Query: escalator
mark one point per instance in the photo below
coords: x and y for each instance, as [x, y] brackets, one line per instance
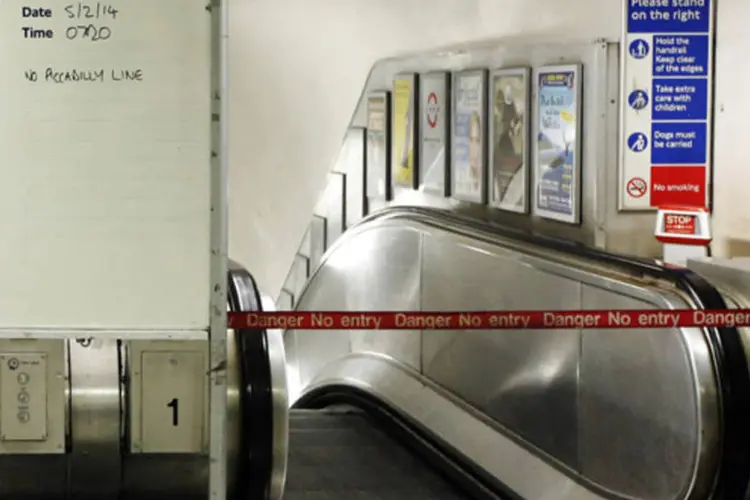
[653, 413]
[342, 443]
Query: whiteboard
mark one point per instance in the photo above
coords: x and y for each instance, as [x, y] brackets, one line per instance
[105, 165]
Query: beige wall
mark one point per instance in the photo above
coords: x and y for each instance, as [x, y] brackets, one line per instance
[297, 68]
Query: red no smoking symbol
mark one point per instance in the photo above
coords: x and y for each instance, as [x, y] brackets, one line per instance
[636, 187]
[432, 110]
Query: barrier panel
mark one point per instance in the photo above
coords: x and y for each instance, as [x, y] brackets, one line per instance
[491, 320]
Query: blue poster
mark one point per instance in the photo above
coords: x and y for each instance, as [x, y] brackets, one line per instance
[557, 146]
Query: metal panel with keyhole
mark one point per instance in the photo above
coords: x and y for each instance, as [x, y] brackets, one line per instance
[169, 396]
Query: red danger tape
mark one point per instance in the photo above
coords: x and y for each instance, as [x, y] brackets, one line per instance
[490, 320]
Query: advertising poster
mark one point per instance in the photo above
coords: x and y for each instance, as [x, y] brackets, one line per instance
[509, 140]
[378, 176]
[434, 89]
[557, 155]
[468, 172]
[403, 130]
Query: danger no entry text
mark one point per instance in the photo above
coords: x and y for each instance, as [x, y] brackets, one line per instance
[457, 320]
[489, 320]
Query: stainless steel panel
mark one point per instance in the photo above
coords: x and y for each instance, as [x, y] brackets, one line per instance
[731, 274]
[293, 379]
[638, 408]
[285, 301]
[95, 466]
[376, 270]
[433, 408]
[234, 415]
[386, 268]
[653, 434]
[524, 379]
[332, 207]
[375, 204]
[280, 395]
[732, 278]
[156, 476]
[96, 406]
[305, 248]
[352, 162]
[298, 275]
[318, 241]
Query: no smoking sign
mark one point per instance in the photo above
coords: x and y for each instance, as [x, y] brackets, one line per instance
[433, 108]
[636, 187]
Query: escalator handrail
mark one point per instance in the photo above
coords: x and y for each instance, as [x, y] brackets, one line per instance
[725, 343]
[256, 400]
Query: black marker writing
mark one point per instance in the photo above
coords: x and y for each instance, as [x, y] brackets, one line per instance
[52, 75]
[127, 75]
[73, 76]
[88, 32]
[97, 10]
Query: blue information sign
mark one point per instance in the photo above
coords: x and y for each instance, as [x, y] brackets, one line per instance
[669, 16]
[680, 99]
[666, 94]
[678, 143]
[637, 142]
[638, 99]
[639, 48]
[681, 55]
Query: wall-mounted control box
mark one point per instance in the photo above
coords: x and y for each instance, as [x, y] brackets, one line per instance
[33, 400]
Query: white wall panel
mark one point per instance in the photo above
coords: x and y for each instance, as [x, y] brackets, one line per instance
[105, 179]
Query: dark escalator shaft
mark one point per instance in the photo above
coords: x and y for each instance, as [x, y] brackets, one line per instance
[341, 454]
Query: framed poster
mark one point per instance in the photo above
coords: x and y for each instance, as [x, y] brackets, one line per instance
[404, 130]
[378, 146]
[557, 154]
[508, 154]
[468, 139]
[434, 144]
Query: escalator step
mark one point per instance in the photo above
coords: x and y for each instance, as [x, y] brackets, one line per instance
[337, 455]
